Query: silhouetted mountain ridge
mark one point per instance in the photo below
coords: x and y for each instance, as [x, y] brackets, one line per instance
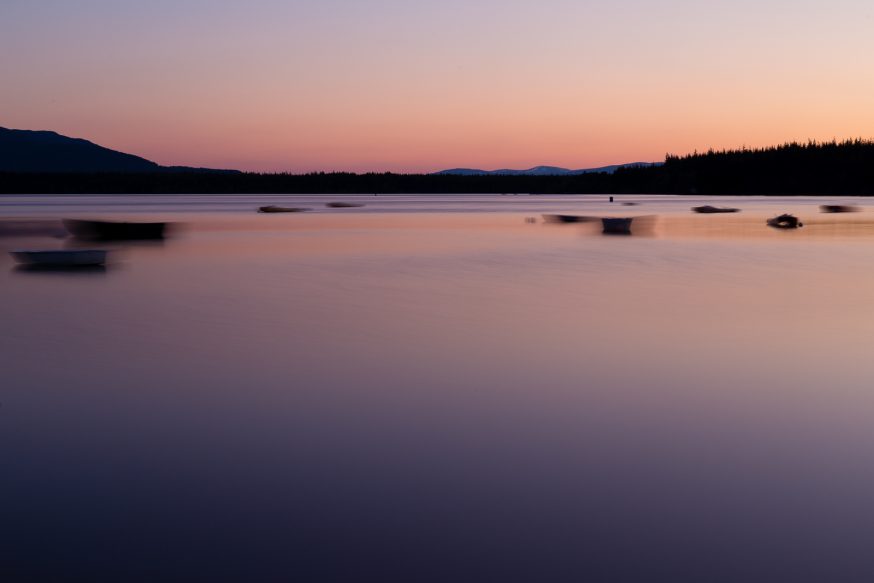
[50, 152]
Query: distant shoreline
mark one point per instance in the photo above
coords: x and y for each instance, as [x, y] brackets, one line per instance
[48, 163]
[643, 181]
[619, 196]
[814, 169]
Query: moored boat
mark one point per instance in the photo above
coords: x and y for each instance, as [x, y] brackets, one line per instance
[272, 208]
[343, 205]
[785, 221]
[568, 219]
[838, 208]
[708, 209]
[114, 230]
[616, 226]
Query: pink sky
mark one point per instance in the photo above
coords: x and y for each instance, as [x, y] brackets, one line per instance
[422, 86]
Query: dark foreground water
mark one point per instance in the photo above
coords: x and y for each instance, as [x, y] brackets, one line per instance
[434, 389]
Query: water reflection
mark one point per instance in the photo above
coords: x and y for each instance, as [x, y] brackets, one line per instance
[31, 228]
[639, 225]
[447, 396]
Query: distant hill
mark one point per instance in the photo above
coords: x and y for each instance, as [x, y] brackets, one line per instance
[45, 151]
[543, 170]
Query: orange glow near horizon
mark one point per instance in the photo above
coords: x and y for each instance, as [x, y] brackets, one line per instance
[389, 87]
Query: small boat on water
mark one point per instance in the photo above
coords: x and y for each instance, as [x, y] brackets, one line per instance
[272, 208]
[60, 257]
[838, 208]
[568, 219]
[114, 230]
[616, 226]
[785, 221]
[707, 209]
[343, 205]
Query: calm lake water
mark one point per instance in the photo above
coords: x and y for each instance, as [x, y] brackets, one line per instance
[430, 388]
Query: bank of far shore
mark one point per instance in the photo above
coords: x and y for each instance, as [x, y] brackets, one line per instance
[833, 168]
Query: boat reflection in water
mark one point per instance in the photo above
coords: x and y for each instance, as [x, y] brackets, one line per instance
[60, 261]
[643, 225]
[61, 269]
[60, 257]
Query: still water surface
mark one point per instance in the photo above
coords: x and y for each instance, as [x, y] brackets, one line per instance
[434, 389]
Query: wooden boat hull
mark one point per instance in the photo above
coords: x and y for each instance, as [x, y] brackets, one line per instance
[114, 231]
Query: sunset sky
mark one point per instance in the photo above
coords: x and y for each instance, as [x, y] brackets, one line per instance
[406, 85]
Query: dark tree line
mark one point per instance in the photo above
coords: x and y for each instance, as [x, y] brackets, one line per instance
[810, 168]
